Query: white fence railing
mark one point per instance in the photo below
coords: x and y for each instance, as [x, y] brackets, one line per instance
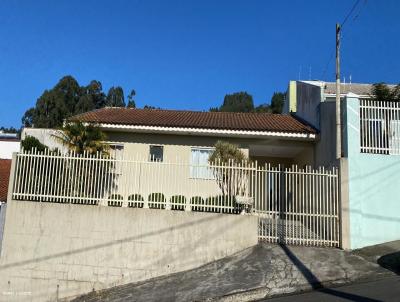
[135, 182]
[380, 127]
[297, 206]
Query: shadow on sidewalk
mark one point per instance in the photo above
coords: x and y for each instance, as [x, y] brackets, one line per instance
[316, 283]
[391, 262]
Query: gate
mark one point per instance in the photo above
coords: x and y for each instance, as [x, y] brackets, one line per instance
[297, 206]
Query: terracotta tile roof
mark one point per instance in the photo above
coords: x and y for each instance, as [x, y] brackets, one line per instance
[196, 119]
[5, 166]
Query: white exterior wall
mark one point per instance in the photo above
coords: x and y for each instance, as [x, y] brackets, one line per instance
[45, 136]
[7, 148]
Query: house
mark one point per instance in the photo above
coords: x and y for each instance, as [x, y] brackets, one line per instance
[370, 161]
[164, 135]
[9, 143]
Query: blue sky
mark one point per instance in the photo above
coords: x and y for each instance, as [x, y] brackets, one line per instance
[189, 54]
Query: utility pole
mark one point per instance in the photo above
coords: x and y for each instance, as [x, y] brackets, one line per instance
[338, 117]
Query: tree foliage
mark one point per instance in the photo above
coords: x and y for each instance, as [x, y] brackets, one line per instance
[30, 143]
[243, 102]
[115, 97]
[9, 130]
[131, 101]
[82, 138]
[68, 98]
[229, 154]
[382, 92]
[237, 102]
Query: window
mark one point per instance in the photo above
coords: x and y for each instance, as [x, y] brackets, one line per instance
[117, 153]
[156, 153]
[199, 163]
[373, 136]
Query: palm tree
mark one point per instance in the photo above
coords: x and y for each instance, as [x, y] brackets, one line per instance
[81, 138]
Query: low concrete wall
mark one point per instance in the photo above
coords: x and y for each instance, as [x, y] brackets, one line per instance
[51, 251]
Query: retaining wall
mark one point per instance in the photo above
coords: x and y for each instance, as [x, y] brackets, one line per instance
[52, 251]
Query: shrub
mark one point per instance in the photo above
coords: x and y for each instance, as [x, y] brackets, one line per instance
[196, 202]
[157, 201]
[30, 143]
[115, 200]
[215, 203]
[136, 201]
[178, 202]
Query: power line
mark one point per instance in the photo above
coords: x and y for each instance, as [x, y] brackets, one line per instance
[341, 30]
[350, 12]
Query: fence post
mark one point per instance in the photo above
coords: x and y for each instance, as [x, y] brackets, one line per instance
[344, 206]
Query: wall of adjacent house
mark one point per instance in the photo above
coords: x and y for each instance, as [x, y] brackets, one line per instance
[325, 148]
[309, 98]
[290, 103]
[373, 187]
[7, 147]
[50, 251]
[45, 136]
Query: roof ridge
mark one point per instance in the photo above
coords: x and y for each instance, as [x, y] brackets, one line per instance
[182, 110]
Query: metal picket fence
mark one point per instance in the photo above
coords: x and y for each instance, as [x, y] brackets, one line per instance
[298, 206]
[294, 206]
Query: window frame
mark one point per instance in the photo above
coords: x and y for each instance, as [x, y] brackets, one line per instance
[162, 154]
[192, 169]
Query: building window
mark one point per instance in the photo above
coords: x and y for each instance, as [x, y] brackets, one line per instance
[199, 166]
[156, 153]
[117, 153]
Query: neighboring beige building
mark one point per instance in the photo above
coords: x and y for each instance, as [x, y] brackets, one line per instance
[169, 134]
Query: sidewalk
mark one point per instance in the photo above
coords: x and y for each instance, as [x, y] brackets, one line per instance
[262, 271]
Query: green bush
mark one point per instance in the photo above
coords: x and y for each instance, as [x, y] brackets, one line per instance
[135, 201]
[157, 201]
[115, 200]
[197, 202]
[214, 203]
[30, 143]
[178, 202]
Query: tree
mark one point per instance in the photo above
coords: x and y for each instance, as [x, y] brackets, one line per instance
[95, 90]
[28, 117]
[68, 98]
[81, 138]
[237, 102]
[382, 92]
[131, 101]
[277, 100]
[115, 97]
[8, 130]
[50, 110]
[243, 102]
[228, 154]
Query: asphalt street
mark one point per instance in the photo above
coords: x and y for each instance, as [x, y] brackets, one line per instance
[387, 289]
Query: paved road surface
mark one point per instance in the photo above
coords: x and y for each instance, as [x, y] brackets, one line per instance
[387, 290]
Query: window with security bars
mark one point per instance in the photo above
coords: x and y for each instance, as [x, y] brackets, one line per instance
[380, 127]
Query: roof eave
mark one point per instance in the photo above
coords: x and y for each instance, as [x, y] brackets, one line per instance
[209, 132]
